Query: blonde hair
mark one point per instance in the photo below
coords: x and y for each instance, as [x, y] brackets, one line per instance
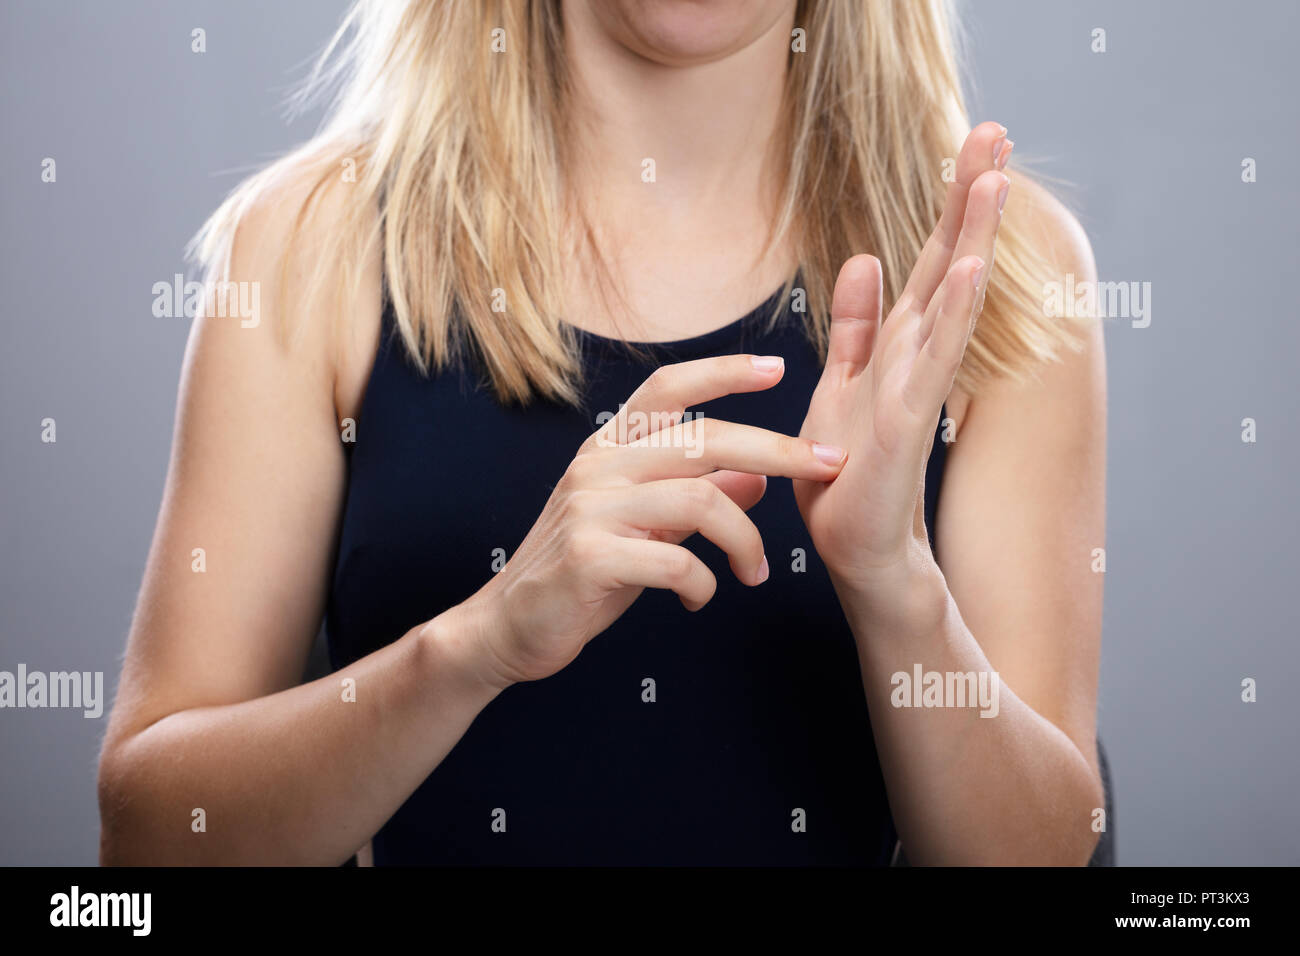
[460, 152]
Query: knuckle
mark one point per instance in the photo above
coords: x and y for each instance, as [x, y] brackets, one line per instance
[708, 586]
[678, 565]
[583, 548]
[704, 429]
[658, 381]
[987, 184]
[700, 494]
[580, 471]
[580, 504]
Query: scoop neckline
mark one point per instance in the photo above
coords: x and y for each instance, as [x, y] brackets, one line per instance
[703, 340]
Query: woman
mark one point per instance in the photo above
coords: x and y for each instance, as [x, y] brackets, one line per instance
[438, 438]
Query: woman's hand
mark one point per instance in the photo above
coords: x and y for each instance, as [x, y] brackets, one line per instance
[884, 384]
[639, 486]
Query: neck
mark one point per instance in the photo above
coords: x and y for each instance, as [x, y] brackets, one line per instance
[708, 127]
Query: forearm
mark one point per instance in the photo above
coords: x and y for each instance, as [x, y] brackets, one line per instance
[304, 776]
[1008, 788]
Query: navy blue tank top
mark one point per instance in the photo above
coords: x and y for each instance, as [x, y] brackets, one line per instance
[759, 719]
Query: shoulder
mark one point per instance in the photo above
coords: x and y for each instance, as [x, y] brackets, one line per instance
[294, 236]
[1047, 222]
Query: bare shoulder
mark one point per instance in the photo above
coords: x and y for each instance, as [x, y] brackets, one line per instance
[1046, 221]
[318, 312]
[1077, 378]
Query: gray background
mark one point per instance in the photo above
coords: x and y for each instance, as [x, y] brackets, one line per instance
[1202, 548]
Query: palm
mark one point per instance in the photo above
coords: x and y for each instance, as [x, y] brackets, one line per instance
[853, 520]
[885, 381]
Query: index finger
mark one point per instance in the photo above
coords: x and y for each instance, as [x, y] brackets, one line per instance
[985, 149]
[695, 448]
[663, 398]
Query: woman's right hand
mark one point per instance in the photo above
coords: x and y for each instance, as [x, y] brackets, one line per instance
[639, 486]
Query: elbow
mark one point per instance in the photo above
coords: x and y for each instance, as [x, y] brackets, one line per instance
[1089, 849]
[126, 808]
[1076, 815]
[1094, 801]
[1069, 828]
[1080, 827]
[113, 786]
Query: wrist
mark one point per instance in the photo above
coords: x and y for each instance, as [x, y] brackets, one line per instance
[458, 645]
[904, 600]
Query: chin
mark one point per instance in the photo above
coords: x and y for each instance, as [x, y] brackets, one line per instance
[687, 32]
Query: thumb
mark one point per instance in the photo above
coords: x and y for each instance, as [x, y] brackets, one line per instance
[855, 316]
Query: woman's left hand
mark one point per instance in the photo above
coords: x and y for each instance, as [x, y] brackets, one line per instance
[885, 383]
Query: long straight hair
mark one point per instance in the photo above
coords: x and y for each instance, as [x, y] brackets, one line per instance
[448, 122]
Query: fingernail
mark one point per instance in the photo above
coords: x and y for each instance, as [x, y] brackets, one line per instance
[977, 275]
[997, 147]
[763, 571]
[767, 363]
[1002, 195]
[1005, 154]
[828, 454]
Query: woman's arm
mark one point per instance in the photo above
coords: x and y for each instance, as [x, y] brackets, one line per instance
[1022, 510]
[207, 715]
[1017, 608]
